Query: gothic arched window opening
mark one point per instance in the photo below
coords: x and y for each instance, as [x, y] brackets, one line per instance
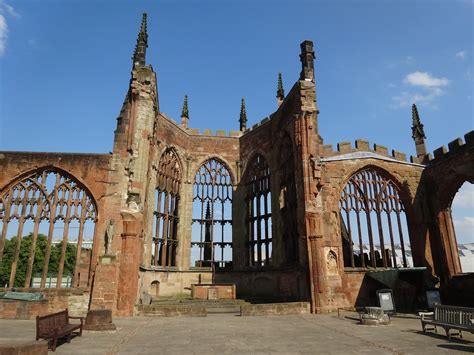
[373, 222]
[47, 224]
[259, 206]
[288, 201]
[211, 242]
[166, 210]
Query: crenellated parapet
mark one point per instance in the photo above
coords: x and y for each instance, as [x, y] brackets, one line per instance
[455, 147]
[360, 145]
[203, 132]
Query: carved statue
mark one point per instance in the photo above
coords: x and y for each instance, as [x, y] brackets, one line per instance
[109, 236]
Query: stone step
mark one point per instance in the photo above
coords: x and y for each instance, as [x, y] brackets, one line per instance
[223, 309]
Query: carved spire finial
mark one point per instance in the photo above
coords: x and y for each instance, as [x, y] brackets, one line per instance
[185, 111]
[280, 91]
[243, 116]
[139, 54]
[208, 211]
[418, 134]
[417, 127]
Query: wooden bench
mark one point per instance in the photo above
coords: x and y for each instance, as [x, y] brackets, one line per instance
[56, 325]
[448, 317]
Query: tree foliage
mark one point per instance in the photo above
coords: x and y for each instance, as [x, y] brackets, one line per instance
[38, 263]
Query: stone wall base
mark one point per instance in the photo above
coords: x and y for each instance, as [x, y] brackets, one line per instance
[275, 309]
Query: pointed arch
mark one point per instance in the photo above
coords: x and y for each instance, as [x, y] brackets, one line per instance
[211, 238]
[373, 221]
[259, 211]
[32, 206]
[288, 200]
[166, 210]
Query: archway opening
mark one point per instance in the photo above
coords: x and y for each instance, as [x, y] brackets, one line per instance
[373, 223]
[462, 212]
[166, 210]
[155, 289]
[47, 225]
[259, 212]
[211, 230]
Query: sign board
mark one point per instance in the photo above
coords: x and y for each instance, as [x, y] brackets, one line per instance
[433, 298]
[386, 302]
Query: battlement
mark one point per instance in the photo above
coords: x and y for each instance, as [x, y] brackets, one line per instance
[361, 145]
[456, 146]
[216, 133]
[258, 124]
[203, 132]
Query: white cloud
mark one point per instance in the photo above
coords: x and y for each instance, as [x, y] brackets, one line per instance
[426, 89]
[464, 230]
[425, 79]
[464, 197]
[3, 34]
[10, 10]
[461, 55]
[406, 99]
[5, 10]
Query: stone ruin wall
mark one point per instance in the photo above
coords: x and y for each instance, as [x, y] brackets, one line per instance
[122, 185]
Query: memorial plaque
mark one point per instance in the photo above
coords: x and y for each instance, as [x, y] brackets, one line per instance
[212, 294]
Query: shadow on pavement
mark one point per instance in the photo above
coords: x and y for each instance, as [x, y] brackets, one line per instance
[459, 347]
[440, 336]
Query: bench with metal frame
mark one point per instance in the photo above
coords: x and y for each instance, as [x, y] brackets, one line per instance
[448, 318]
[56, 325]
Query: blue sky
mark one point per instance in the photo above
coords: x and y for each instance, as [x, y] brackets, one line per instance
[65, 66]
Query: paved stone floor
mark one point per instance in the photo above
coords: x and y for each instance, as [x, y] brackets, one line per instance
[229, 334]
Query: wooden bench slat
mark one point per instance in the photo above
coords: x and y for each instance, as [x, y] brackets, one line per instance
[56, 325]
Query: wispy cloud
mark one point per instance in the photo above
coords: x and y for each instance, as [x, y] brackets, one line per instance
[5, 10]
[461, 55]
[423, 88]
[408, 60]
[10, 10]
[425, 80]
[3, 34]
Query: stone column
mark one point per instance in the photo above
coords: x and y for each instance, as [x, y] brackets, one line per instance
[132, 248]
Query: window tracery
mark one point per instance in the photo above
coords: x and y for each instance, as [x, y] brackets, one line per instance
[373, 224]
[211, 242]
[167, 196]
[47, 223]
[259, 220]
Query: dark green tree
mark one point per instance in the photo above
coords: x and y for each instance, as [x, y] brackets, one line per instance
[38, 263]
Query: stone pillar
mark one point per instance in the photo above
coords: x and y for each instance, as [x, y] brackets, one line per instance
[131, 255]
[104, 291]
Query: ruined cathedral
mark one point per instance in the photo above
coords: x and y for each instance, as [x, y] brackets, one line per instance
[269, 209]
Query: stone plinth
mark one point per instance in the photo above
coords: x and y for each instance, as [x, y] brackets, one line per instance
[99, 320]
[213, 291]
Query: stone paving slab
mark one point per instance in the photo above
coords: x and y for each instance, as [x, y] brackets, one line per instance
[230, 334]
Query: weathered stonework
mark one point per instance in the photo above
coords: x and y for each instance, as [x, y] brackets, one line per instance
[307, 178]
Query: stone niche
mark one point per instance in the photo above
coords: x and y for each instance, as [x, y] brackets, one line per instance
[213, 291]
